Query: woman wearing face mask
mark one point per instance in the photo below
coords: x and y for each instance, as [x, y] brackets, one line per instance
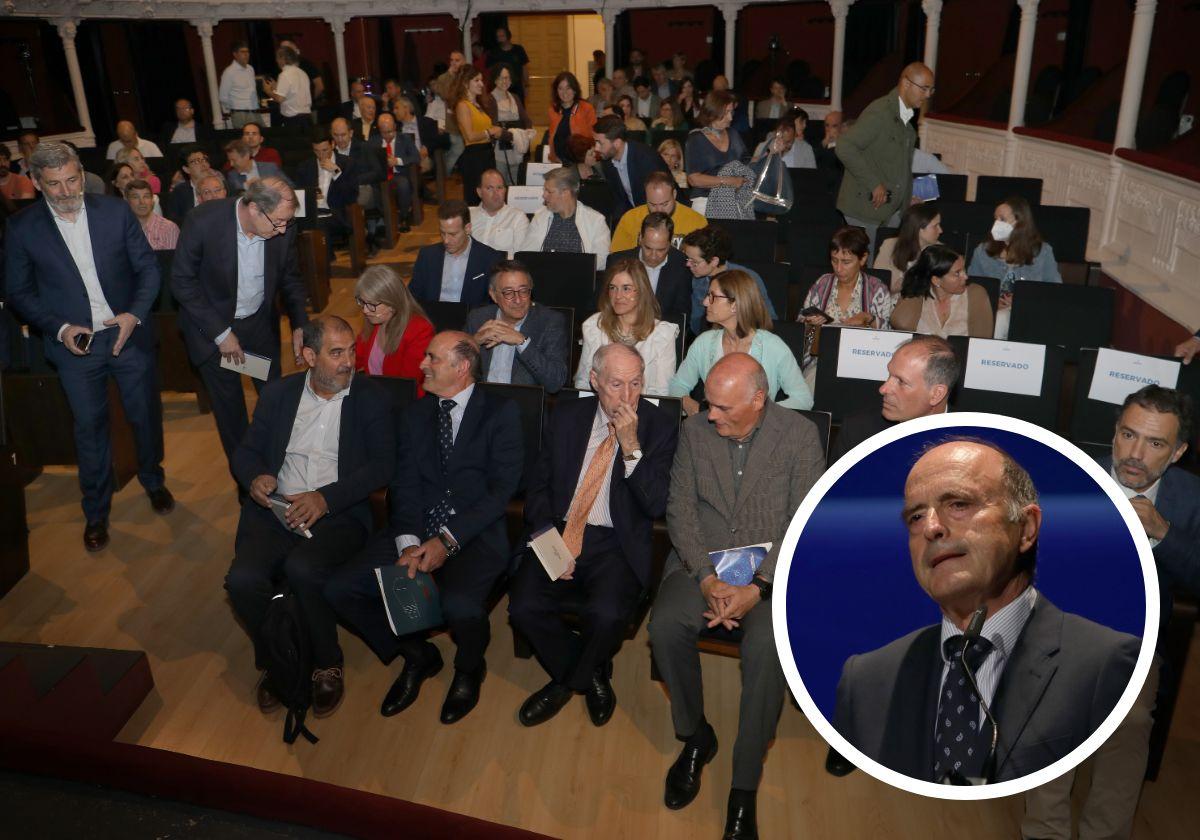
[936, 298]
[1014, 251]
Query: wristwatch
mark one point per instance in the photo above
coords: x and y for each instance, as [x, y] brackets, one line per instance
[764, 587]
[632, 456]
[451, 547]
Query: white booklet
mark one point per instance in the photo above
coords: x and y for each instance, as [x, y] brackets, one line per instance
[255, 365]
[549, 547]
[279, 507]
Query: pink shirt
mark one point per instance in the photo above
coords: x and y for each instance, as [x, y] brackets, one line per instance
[17, 186]
[162, 234]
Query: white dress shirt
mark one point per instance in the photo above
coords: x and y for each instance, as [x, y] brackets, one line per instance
[325, 177]
[504, 231]
[310, 461]
[906, 113]
[78, 238]
[1150, 493]
[251, 273]
[148, 148]
[657, 350]
[600, 514]
[652, 271]
[456, 416]
[293, 86]
[238, 90]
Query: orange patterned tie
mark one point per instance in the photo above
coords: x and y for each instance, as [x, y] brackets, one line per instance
[585, 497]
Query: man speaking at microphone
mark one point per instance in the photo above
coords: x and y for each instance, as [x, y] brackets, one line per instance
[1046, 679]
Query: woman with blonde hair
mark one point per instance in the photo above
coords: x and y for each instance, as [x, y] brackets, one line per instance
[735, 304]
[629, 314]
[672, 155]
[471, 104]
[395, 330]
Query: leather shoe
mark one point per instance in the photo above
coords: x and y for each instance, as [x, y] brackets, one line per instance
[601, 700]
[837, 764]
[544, 703]
[740, 822]
[404, 690]
[463, 694]
[683, 779]
[95, 535]
[267, 702]
[328, 688]
[161, 500]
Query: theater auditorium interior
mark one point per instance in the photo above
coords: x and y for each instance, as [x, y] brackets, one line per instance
[1058, 138]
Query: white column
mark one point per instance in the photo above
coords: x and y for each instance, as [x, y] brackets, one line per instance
[730, 13]
[1135, 73]
[840, 9]
[1020, 85]
[933, 22]
[610, 39]
[66, 31]
[338, 25]
[205, 28]
[466, 33]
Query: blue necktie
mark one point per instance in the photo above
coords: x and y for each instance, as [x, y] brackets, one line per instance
[439, 514]
[960, 744]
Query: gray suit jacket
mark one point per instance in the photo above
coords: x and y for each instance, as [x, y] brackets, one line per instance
[705, 514]
[545, 361]
[1061, 681]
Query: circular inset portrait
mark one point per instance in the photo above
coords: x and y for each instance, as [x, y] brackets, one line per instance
[970, 606]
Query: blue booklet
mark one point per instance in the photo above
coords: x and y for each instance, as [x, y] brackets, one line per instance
[412, 604]
[736, 566]
[925, 187]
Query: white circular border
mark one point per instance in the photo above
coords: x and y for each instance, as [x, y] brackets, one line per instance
[951, 421]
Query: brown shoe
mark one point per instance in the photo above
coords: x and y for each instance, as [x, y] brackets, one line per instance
[328, 688]
[95, 535]
[267, 702]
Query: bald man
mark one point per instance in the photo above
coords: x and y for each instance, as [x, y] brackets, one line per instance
[740, 472]
[127, 138]
[877, 153]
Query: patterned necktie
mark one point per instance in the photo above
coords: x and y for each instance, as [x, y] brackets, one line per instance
[439, 514]
[586, 495]
[960, 744]
[388, 148]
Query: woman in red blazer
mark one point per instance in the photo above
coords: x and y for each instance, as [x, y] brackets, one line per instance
[395, 330]
[566, 98]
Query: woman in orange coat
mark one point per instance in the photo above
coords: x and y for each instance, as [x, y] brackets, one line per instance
[570, 114]
[395, 331]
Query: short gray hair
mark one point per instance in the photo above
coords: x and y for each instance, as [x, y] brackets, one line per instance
[941, 365]
[269, 193]
[601, 356]
[51, 155]
[564, 178]
[314, 331]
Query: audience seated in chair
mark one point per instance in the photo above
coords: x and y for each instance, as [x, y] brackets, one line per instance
[252, 136]
[396, 330]
[848, 295]
[458, 268]
[920, 226]
[707, 252]
[521, 343]
[459, 462]
[791, 148]
[243, 168]
[602, 479]
[565, 224]
[625, 163]
[141, 170]
[494, 222]
[936, 298]
[666, 267]
[127, 138]
[659, 192]
[398, 152]
[629, 314]
[186, 194]
[162, 234]
[185, 128]
[330, 184]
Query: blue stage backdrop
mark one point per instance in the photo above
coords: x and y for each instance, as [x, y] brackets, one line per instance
[851, 587]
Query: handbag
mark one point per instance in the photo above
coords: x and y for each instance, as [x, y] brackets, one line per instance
[773, 190]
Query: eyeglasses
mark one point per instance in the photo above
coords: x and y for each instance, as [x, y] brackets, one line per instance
[279, 226]
[928, 89]
[516, 294]
[711, 296]
[196, 161]
[691, 261]
[622, 291]
[367, 305]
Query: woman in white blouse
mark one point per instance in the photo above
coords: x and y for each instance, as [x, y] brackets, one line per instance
[629, 314]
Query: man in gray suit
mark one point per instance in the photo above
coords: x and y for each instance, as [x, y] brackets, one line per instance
[522, 343]
[243, 167]
[1043, 679]
[740, 472]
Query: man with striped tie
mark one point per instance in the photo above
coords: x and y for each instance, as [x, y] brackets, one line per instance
[459, 460]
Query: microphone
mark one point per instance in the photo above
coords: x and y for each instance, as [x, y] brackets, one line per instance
[974, 627]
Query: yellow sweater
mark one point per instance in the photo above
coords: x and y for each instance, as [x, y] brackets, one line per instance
[626, 236]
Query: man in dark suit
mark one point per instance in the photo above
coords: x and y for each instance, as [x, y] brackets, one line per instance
[364, 126]
[921, 376]
[321, 442]
[1151, 435]
[665, 266]
[330, 184]
[459, 464]
[602, 479]
[401, 163]
[243, 168]
[626, 163]
[79, 269]
[233, 256]
[1047, 679]
[742, 469]
[520, 342]
[369, 171]
[457, 269]
[423, 129]
[186, 194]
[185, 128]
[349, 109]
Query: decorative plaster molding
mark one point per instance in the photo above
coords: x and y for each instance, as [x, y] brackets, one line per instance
[931, 8]
[840, 8]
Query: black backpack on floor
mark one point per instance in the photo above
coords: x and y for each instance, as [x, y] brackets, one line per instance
[288, 659]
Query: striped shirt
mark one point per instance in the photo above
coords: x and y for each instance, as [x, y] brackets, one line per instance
[600, 514]
[162, 234]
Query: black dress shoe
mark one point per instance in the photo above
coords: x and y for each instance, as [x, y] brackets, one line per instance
[328, 688]
[463, 694]
[403, 692]
[544, 703]
[836, 764]
[740, 822]
[161, 500]
[95, 535]
[683, 779]
[267, 701]
[600, 698]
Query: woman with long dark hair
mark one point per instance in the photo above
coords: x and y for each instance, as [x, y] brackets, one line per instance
[569, 114]
[936, 299]
[920, 226]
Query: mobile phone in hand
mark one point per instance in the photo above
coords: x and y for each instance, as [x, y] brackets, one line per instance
[808, 312]
[83, 342]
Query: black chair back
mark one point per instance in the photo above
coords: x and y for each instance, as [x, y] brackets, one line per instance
[596, 193]
[965, 223]
[1092, 421]
[401, 391]
[993, 189]
[810, 187]
[951, 187]
[792, 333]
[1055, 313]
[823, 420]
[775, 278]
[446, 315]
[560, 279]
[839, 395]
[1066, 229]
[752, 240]
[530, 400]
[1041, 410]
[808, 242]
[992, 286]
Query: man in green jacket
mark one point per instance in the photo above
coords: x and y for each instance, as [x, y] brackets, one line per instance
[877, 153]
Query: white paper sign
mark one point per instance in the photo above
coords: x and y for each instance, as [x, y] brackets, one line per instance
[1119, 374]
[299, 203]
[525, 199]
[546, 154]
[535, 173]
[1010, 367]
[864, 354]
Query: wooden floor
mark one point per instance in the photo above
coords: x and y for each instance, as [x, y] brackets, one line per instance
[158, 588]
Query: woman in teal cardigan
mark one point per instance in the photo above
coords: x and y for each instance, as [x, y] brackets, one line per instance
[735, 304]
